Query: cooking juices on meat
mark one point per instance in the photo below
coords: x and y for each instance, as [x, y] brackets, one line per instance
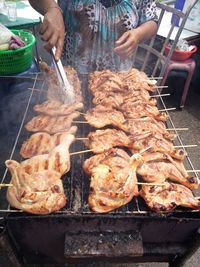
[126, 116]
[131, 142]
[37, 185]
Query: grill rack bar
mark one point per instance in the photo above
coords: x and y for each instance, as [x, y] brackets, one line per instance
[81, 207]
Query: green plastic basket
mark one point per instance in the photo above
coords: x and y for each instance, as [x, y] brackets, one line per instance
[19, 60]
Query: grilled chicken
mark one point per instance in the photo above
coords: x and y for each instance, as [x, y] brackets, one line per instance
[105, 81]
[148, 124]
[158, 167]
[102, 140]
[101, 116]
[57, 108]
[58, 159]
[43, 143]
[167, 197]
[39, 193]
[51, 125]
[158, 144]
[137, 80]
[113, 179]
[140, 108]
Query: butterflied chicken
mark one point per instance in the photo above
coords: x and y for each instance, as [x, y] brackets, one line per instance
[39, 193]
[148, 124]
[167, 197]
[57, 108]
[137, 80]
[139, 108]
[51, 125]
[58, 159]
[43, 143]
[102, 140]
[105, 81]
[158, 167]
[158, 144]
[101, 116]
[113, 179]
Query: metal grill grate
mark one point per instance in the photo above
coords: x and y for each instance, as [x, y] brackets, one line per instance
[23, 94]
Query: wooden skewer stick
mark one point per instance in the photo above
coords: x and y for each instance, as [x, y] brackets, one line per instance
[189, 171]
[84, 122]
[160, 95]
[185, 146]
[34, 89]
[154, 78]
[197, 198]
[151, 184]
[81, 152]
[82, 113]
[5, 185]
[81, 138]
[167, 109]
[161, 86]
[177, 129]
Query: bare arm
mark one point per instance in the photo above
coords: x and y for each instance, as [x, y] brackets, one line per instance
[52, 29]
[127, 43]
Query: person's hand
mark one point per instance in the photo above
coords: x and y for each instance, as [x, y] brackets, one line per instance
[53, 31]
[127, 43]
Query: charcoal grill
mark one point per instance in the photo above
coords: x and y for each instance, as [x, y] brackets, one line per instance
[130, 233]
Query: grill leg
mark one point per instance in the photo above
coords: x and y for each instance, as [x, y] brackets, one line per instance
[193, 254]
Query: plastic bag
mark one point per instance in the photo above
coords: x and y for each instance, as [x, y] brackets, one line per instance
[5, 35]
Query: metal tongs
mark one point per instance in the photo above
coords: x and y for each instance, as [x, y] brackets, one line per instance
[67, 90]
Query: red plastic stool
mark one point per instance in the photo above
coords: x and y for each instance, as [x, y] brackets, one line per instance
[186, 65]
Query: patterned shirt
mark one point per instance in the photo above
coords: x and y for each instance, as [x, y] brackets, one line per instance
[93, 26]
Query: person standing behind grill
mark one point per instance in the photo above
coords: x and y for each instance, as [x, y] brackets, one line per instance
[100, 34]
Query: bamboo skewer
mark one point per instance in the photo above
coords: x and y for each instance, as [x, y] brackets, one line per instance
[81, 138]
[166, 109]
[177, 129]
[184, 146]
[161, 86]
[197, 198]
[5, 185]
[81, 152]
[154, 78]
[160, 95]
[151, 184]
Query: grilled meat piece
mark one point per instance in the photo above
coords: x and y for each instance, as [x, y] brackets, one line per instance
[167, 197]
[113, 179]
[38, 193]
[105, 81]
[43, 143]
[57, 108]
[102, 140]
[158, 144]
[58, 159]
[137, 80]
[148, 124]
[140, 108]
[109, 99]
[101, 116]
[51, 125]
[158, 167]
